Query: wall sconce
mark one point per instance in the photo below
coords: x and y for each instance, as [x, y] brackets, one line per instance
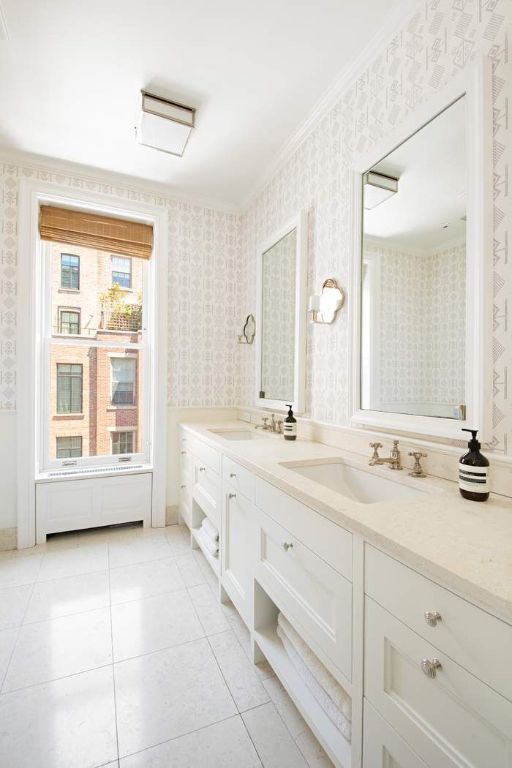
[324, 308]
[249, 331]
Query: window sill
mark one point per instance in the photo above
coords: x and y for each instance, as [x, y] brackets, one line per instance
[66, 416]
[69, 290]
[122, 407]
[54, 476]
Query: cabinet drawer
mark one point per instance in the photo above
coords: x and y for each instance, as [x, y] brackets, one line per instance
[238, 477]
[312, 595]
[451, 719]
[478, 641]
[332, 543]
[206, 455]
[207, 492]
[383, 747]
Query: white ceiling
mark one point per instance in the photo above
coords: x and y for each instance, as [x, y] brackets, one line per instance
[71, 72]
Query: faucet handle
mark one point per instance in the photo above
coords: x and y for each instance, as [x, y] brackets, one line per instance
[376, 445]
[375, 456]
[417, 470]
[264, 420]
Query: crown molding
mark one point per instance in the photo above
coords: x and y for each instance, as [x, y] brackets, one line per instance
[394, 22]
[91, 174]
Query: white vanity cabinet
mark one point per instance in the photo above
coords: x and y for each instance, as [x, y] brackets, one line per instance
[430, 661]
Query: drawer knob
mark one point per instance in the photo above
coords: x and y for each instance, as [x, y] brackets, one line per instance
[202, 469]
[183, 453]
[430, 666]
[183, 486]
[231, 495]
[432, 618]
[287, 545]
[232, 474]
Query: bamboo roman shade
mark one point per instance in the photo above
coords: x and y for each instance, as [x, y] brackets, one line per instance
[130, 238]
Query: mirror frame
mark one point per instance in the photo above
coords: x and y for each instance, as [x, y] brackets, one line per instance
[476, 85]
[299, 223]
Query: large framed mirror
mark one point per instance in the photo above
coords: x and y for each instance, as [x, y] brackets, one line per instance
[423, 253]
[281, 317]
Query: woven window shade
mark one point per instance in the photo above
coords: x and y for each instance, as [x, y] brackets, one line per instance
[104, 233]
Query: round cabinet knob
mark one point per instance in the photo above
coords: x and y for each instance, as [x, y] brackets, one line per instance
[287, 545]
[432, 618]
[183, 453]
[183, 486]
[430, 667]
[202, 469]
[231, 495]
[232, 474]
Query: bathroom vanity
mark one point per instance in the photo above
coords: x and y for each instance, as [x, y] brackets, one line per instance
[401, 589]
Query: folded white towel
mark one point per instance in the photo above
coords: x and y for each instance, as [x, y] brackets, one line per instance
[333, 713]
[330, 685]
[209, 529]
[211, 546]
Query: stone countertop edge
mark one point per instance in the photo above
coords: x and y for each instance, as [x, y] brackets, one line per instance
[463, 545]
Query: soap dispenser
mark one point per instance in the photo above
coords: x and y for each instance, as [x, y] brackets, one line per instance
[474, 471]
[290, 425]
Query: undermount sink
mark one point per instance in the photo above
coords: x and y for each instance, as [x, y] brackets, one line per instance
[358, 484]
[237, 434]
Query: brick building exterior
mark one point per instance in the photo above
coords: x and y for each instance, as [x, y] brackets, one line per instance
[95, 392]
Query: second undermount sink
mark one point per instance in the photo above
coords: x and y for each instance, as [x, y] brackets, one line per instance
[356, 483]
[237, 434]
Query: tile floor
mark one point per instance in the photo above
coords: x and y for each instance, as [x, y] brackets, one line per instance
[115, 652]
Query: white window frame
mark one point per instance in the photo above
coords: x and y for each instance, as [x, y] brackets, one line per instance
[32, 379]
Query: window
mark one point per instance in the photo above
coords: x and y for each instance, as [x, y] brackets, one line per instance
[122, 442]
[69, 388]
[121, 272]
[69, 321]
[69, 272]
[123, 380]
[69, 447]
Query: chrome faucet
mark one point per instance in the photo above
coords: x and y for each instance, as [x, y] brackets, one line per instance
[276, 425]
[394, 459]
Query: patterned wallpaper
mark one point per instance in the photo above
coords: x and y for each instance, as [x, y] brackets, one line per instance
[419, 301]
[203, 252]
[278, 319]
[433, 44]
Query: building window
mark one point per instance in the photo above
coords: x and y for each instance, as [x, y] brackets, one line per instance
[69, 447]
[69, 388]
[70, 272]
[123, 380]
[121, 271]
[122, 442]
[69, 321]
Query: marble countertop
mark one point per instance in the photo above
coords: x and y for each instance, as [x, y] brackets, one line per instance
[464, 545]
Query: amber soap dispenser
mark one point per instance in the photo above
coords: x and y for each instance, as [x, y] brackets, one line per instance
[474, 471]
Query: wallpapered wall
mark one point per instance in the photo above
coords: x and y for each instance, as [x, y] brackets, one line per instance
[420, 303]
[203, 251]
[434, 44]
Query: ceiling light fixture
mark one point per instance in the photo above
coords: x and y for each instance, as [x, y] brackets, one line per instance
[164, 125]
[378, 188]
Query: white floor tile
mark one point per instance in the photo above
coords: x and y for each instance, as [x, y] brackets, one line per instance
[223, 745]
[63, 724]
[238, 671]
[313, 751]
[179, 539]
[134, 582]
[144, 626]
[8, 639]
[137, 550]
[208, 609]
[271, 738]
[16, 571]
[64, 597]
[73, 562]
[48, 650]
[285, 706]
[13, 604]
[168, 694]
[190, 570]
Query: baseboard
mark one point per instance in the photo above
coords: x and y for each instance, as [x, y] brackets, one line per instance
[8, 539]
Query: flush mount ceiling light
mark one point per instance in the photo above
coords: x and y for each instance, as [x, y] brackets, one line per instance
[164, 124]
[378, 188]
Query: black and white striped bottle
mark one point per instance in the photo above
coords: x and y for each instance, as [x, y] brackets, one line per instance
[474, 482]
